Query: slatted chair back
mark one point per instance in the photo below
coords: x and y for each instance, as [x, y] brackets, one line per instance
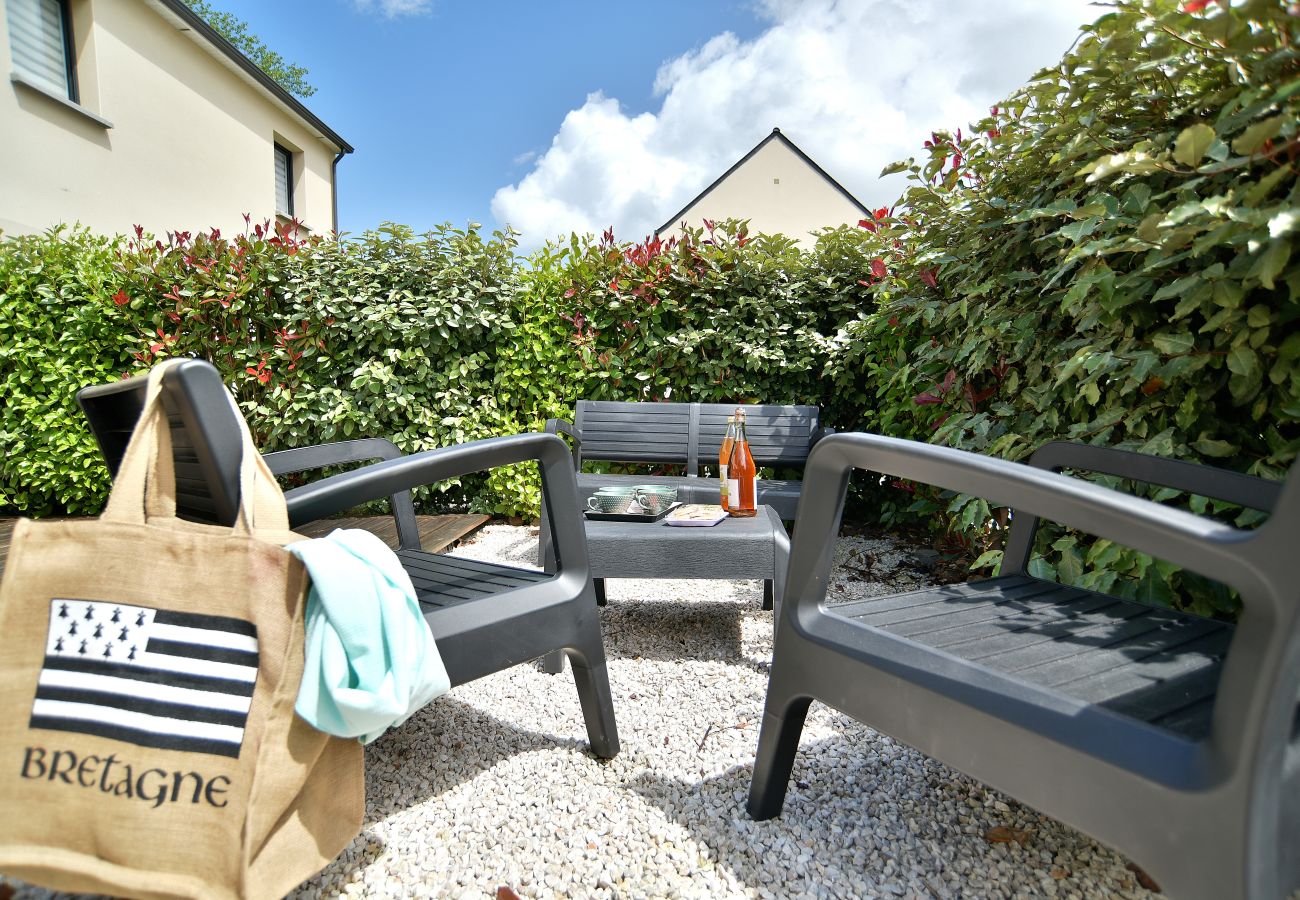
[633, 432]
[1207, 481]
[207, 449]
[778, 435]
[618, 431]
[205, 436]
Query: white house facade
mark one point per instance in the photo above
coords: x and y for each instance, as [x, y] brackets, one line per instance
[779, 189]
[118, 113]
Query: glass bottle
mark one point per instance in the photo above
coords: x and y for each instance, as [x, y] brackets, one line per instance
[724, 457]
[742, 475]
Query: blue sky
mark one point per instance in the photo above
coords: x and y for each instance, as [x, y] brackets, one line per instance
[578, 115]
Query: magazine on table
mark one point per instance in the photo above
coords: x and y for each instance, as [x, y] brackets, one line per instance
[696, 514]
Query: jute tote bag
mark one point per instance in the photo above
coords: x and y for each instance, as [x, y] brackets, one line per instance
[148, 672]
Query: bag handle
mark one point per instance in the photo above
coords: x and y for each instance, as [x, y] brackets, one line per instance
[145, 487]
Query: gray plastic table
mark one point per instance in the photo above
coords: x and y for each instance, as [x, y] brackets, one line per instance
[732, 550]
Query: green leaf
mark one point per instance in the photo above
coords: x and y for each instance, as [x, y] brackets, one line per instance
[1271, 261]
[1149, 228]
[1173, 344]
[1243, 361]
[989, 558]
[1070, 566]
[1137, 162]
[1217, 449]
[1077, 231]
[1177, 288]
[1061, 207]
[1265, 185]
[1154, 589]
[1192, 143]
[1041, 568]
[1254, 137]
[1160, 445]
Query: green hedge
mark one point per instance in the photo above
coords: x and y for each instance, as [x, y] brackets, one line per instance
[1106, 257]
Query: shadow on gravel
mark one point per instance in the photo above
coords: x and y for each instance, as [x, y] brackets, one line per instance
[441, 747]
[444, 745]
[866, 816]
[672, 631]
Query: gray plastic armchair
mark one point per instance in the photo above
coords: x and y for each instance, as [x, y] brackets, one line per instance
[1171, 737]
[484, 617]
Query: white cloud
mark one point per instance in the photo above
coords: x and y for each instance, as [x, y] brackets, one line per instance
[855, 83]
[391, 9]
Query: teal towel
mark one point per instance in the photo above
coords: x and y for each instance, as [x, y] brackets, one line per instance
[371, 661]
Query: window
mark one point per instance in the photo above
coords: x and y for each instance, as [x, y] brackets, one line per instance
[40, 36]
[283, 181]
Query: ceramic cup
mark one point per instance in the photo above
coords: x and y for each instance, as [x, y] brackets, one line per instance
[609, 503]
[655, 499]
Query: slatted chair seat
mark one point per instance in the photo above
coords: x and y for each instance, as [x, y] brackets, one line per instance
[1149, 663]
[444, 581]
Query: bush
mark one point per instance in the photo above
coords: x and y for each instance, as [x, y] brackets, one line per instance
[717, 315]
[56, 334]
[387, 334]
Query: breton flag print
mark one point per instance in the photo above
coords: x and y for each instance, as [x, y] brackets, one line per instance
[151, 677]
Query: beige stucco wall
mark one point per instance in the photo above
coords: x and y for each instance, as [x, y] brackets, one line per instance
[190, 145]
[778, 192]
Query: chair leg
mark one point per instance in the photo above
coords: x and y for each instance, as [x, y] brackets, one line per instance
[592, 680]
[778, 740]
[553, 662]
[767, 594]
[599, 585]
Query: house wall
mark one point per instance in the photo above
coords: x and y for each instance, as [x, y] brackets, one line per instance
[190, 145]
[778, 192]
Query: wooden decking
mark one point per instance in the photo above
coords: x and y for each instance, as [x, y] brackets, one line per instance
[437, 533]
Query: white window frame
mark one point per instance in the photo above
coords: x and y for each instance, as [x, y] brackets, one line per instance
[284, 156]
[59, 80]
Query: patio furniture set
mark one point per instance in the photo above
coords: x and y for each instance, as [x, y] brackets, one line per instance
[1172, 737]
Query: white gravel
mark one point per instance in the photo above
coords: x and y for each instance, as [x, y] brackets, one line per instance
[493, 784]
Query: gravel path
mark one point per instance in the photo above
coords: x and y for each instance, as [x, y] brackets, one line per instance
[492, 784]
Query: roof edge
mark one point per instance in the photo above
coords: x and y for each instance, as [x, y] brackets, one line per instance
[775, 135]
[200, 27]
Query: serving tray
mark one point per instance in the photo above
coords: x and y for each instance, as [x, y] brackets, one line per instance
[630, 517]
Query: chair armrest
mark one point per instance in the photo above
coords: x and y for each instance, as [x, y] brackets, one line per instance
[303, 459]
[563, 426]
[318, 456]
[1227, 554]
[559, 487]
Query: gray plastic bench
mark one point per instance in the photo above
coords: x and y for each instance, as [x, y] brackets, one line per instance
[1171, 737]
[484, 617]
[689, 434]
